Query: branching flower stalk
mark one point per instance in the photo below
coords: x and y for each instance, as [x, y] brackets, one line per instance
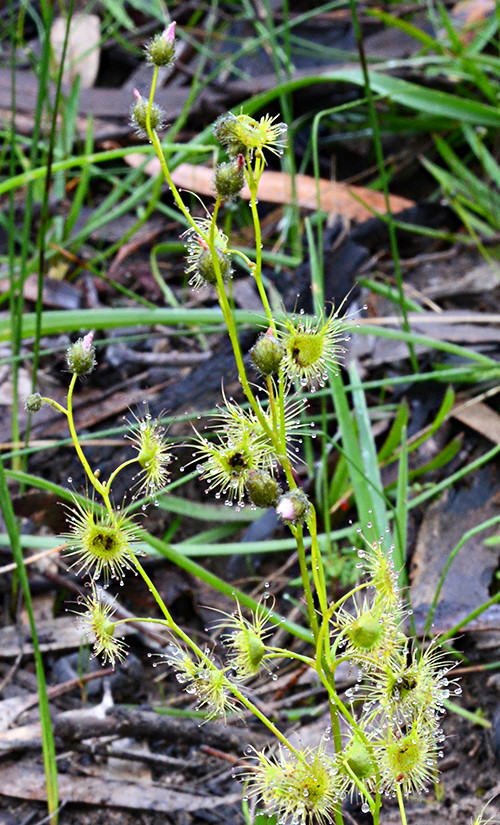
[390, 738]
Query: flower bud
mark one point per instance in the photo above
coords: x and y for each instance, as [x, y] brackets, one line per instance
[80, 357]
[226, 130]
[205, 268]
[160, 51]
[34, 402]
[229, 178]
[262, 489]
[139, 115]
[267, 353]
[294, 507]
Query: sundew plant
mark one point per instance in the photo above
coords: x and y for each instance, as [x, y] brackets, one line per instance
[384, 737]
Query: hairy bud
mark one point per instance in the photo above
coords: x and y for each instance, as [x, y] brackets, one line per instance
[206, 267]
[34, 402]
[266, 353]
[226, 132]
[160, 51]
[80, 357]
[263, 490]
[139, 115]
[229, 178]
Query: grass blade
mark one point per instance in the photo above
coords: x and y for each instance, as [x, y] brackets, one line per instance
[48, 746]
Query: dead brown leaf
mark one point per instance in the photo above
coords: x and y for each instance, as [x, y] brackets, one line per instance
[276, 187]
[481, 418]
[82, 52]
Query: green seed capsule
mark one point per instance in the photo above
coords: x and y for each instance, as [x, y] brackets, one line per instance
[267, 353]
[229, 179]
[366, 632]
[206, 267]
[263, 490]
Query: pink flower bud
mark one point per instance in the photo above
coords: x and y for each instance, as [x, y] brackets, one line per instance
[169, 33]
[137, 94]
[87, 341]
[286, 509]
[294, 507]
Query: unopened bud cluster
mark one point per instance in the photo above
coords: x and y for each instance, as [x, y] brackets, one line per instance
[294, 507]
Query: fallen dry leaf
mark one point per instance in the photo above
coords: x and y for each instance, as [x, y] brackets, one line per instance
[276, 187]
[82, 53]
[468, 12]
[481, 418]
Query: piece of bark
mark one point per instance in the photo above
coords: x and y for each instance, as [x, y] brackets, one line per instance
[477, 280]
[57, 294]
[27, 781]
[79, 725]
[60, 633]
[470, 575]
[455, 326]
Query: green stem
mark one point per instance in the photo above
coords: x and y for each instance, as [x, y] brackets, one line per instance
[138, 619]
[265, 721]
[304, 572]
[401, 804]
[55, 405]
[253, 179]
[168, 616]
[282, 653]
[245, 258]
[118, 470]
[361, 786]
[233, 337]
[155, 140]
[317, 568]
[222, 296]
[101, 489]
[203, 656]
